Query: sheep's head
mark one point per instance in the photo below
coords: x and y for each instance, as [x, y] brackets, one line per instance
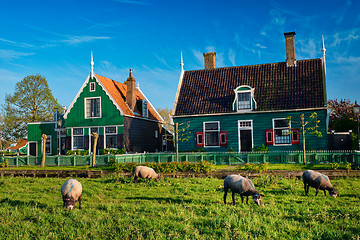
[69, 203]
[333, 193]
[257, 198]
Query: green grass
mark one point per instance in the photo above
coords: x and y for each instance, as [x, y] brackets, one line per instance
[115, 208]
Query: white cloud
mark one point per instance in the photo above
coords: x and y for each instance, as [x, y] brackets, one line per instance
[10, 54]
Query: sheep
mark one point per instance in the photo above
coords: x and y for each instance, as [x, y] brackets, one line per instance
[71, 192]
[243, 186]
[317, 181]
[145, 173]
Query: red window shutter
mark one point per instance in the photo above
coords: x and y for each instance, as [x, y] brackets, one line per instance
[223, 138]
[199, 139]
[269, 136]
[295, 136]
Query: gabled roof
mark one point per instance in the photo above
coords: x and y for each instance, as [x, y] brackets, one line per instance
[20, 144]
[117, 94]
[276, 87]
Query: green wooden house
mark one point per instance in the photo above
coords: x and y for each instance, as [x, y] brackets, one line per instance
[242, 108]
[119, 113]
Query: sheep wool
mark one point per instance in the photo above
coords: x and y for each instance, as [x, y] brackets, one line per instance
[318, 181]
[145, 173]
[71, 192]
[243, 186]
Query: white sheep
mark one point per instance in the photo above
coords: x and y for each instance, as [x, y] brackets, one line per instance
[243, 186]
[71, 192]
[145, 173]
[317, 181]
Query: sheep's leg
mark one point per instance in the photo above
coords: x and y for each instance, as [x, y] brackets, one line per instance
[225, 194]
[233, 197]
[80, 202]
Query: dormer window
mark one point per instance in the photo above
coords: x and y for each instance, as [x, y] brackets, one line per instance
[244, 99]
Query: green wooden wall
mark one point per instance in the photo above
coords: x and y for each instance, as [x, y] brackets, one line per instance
[110, 115]
[261, 121]
[35, 130]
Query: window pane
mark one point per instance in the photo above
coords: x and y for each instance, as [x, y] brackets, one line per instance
[281, 123]
[111, 141]
[78, 142]
[212, 138]
[110, 130]
[211, 126]
[244, 100]
[77, 131]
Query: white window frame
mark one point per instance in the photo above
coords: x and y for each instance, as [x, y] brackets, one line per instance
[110, 134]
[92, 87]
[77, 135]
[48, 138]
[246, 128]
[204, 133]
[252, 100]
[284, 128]
[85, 105]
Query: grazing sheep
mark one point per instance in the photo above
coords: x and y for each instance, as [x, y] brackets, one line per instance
[145, 173]
[317, 181]
[243, 186]
[71, 192]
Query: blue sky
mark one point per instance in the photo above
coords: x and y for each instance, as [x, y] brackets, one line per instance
[55, 38]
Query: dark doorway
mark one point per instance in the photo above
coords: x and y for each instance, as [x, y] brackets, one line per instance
[32, 149]
[245, 140]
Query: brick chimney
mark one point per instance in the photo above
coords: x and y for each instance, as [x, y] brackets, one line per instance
[290, 49]
[130, 92]
[209, 59]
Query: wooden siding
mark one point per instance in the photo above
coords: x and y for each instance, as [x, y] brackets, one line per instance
[110, 115]
[261, 122]
[34, 132]
[139, 135]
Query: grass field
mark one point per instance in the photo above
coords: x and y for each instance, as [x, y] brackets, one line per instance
[115, 208]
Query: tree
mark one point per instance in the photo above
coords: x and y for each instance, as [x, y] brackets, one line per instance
[341, 118]
[307, 127]
[32, 101]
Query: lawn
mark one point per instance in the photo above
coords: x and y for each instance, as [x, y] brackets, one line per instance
[190, 208]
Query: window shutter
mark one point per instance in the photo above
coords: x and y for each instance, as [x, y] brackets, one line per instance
[223, 138]
[295, 136]
[199, 139]
[269, 136]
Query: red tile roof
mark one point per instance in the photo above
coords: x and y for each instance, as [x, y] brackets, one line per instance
[276, 87]
[117, 91]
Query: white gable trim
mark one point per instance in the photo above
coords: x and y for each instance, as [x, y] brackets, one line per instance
[178, 91]
[81, 90]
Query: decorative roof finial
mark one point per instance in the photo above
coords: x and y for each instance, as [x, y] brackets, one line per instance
[92, 66]
[182, 63]
[323, 46]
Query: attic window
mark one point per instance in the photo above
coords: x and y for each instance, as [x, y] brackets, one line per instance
[92, 87]
[244, 99]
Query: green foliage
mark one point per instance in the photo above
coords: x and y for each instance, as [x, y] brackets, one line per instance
[115, 208]
[77, 152]
[4, 164]
[261, 148]
[32, 101]
[259, 168]
[169, 167]
[112, 151]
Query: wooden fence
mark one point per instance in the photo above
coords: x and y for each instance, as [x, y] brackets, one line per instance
[228, 158]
